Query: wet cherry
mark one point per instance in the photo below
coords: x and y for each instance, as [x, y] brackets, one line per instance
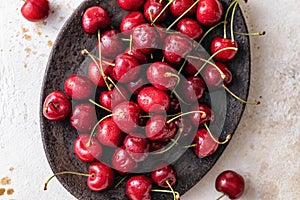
[153, 8]
[198, 118]
[209, 12]
[85, 152]
[111, 98]
[163, 174]
[130, 4]
[35, 10]
[79, 87]
[192, 89]
[95, 74]
[212, 75]
[139, 188]
[94, 18]
[190, 28]
[205, 145]
[123, 162]
[103, 177]
[219, 43]
[137, 146]
[130, 21]
[142, 58]
[178, 7]
[83, 117]
[109, 134]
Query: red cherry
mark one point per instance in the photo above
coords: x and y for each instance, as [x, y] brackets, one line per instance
[178, 7]
[131, 4]
[231, 184]
[103, 177]
[154, 100]
[209, 12]
[218, 44]
[198, 118]
[156, 146]
[56, 106]
[188, 131]
[194, 63]
[142, 58]
[110, 98]
[130, 21]
[79, 87]
[94, 18]
[96, 76]
[190, 27]
[123, 162]
[139, 188]
[205, 145]
[163, 174]
[152, 8]
[212, 75]
[126, 68]
[137, 146]
[109, 134]
[162, 32]
[134, 87]
[84, 152]
[83, 117]
[35, 10]
[192, 89]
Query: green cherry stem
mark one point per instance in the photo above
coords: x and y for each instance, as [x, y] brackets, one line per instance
[228, 137]
[231, 21]
[182, 66]
[130, 44]
[251, 34]
[187, 113]
[98, 105]
[121, 181]
[112, 82]
[220, 197]
[226, 16]
[209, 30]
[255, 103]
[176, 197]
[161, 12]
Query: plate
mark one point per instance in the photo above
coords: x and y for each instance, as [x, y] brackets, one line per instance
[58, 137]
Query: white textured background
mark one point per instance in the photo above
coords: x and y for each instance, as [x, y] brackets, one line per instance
[265, 149]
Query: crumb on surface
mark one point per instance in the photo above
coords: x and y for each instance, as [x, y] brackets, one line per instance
[5, 181]
[2, 191]
[10, 191]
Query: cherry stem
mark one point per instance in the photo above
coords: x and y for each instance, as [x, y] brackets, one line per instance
[151, 17]
[95, 58]
[187, 113]
[179, 98]
[231, 21]
[251, 34]
[169, 74]
[174, 194]
[223, 76]
[209, 30]
[121, 181]
[220, 197]
[211, 57]
[182, 66]
[98, 105]
[66, 172]
[161, 12]
[182, 15]
[190, 146]
[226, 16]
[130, 45]
[118, 89]
[125, 39]
[176, 197]
[228, 137]
[238, 98]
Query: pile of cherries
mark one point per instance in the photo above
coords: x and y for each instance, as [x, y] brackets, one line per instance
[149, 82]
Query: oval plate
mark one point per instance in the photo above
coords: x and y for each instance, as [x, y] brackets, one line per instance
[58, 137]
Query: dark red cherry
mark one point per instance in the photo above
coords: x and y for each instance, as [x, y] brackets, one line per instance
[190, 27]
[137, 146]
[87, 152]
[134, 87]
[142, 58]
[176, 47]
[156, 146]
[164, 173]
[35, 10]
[162, 32]
[126, 68]
[178, 7]
[111, 98]
[162, 76]
[109, 134]
[94, 18]
[145, 38]
[158, 130]
[213, 77]
[83, 117]
[231, 184]
[95, 74]
[111, 44]
[187, 133]
[209, 12]
[123, 162]
[219, 43]
[126, 116]
[174, 105]
[192, 88]
[200, 118]
[56, 106]
[103, 177]
[153, 100]
[131, 4]
[79, 87]
[130, 21]
[205, 145]
[194, 63]
[139, 188]
[152, 8]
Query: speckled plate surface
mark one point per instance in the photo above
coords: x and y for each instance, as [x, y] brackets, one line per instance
[58, 137]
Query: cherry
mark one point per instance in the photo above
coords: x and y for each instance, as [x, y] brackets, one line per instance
[78, 87]
[142, 58]
[111, 98]
[158, 130]
[83, 117]
[231, 184]
[130, 21]
[139, 188]
[162, 76]
[109, 134]
[178, 7]
[209, 12]
[35, 10]
[192, 89]
[162, 32]
[164, 176]
[212, 75]
[126, 116]
[131, 4]
[151, 99]
[103, 177]
[194, 62]
[154, 9]
[204, 144]
[56, 106]
[94, 18]
[190, 27]
[198, 118]
[156, 145]
[95, 73]
[187, 127]
[134, 87]
[137, 146]
[218, 44]
[123, 162]
[85, 152]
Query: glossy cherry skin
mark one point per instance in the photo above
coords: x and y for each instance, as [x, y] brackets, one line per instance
[162, 76]
[153, 100]
[111, 44]
[35, 10]
[205, 146]
[94, 18]
[142, 58]
[109, 134]
[79, 87]
[155, 7]
[130, 21]
[134, 87]
[145, 38]
[158, 130]
[95, 74]
[192, 88]
[126, 116]
[213, 77]
[178, 7]
[56, 106]
[194, 64]
[190, 28]
[139, 188]
[176, 47]
[137, 146]
[209, 12]
[126, 68]
[111, 98]
[87, 153]
[123, 162]
[198, 118]
[219, 43]
[131, 4]
[161, 175]
[231, 184]
[103, 177]
[83, 117]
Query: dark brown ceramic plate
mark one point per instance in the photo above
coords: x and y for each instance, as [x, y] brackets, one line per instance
[58, 137]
